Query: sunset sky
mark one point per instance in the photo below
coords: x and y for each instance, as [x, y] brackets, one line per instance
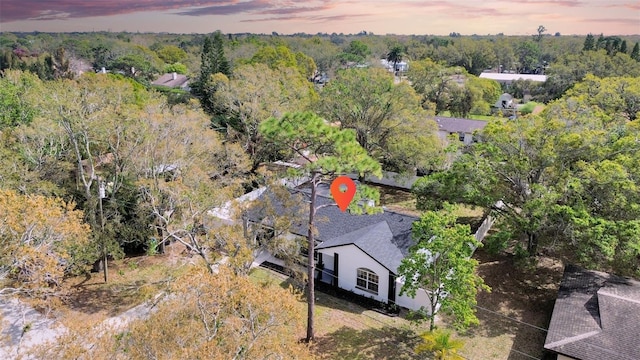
[440, 17]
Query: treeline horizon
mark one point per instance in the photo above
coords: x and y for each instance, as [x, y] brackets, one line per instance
[304, 34]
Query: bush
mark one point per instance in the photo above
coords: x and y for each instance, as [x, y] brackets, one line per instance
[152, 246]
[528, 107]
[498, 242]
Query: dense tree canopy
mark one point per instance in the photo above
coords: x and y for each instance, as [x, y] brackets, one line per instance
[570, 69]
[386, 117]
[280, 57]
[253, 94]
[551, 176]
[452, 89]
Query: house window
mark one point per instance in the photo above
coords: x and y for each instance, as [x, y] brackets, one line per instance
[367, 280]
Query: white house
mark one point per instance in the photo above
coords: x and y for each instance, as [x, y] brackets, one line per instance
[358, 253]
[366, 262]
[401, 66]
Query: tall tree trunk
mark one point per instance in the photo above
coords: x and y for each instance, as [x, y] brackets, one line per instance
[103, 240]
[311, 301]
[432, 322]
[532, 243]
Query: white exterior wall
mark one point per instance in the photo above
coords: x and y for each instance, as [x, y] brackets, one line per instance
[421, 299]
[350, 258]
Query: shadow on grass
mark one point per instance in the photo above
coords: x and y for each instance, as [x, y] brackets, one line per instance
[517, 293]
[374, 343]
[128, 286]
[112, 299]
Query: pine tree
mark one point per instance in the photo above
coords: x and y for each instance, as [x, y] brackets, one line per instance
[589, 43]
[334, 152]
[635, 53]
[600, 44]
[205, 72]
[213, 61]
[623, 46]
[217, 59]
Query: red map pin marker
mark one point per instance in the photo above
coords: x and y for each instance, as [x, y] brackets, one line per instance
[343, 198]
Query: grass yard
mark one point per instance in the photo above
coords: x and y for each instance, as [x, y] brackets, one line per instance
[405, 202]
[397, 200]
[131, 281]
[513, 315]
[347, 331]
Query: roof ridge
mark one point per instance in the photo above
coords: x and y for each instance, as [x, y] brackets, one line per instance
[569, 340]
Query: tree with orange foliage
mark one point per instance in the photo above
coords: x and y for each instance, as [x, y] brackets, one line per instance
[42, 240]
[207, 316]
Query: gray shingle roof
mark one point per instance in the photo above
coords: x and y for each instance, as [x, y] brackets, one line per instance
[459, 125]
[596, 316]
[386, 237]
[169, 81]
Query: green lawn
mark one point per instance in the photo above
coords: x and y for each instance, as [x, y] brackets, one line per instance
[345, 330]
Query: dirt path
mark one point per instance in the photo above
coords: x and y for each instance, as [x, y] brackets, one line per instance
[23, 327]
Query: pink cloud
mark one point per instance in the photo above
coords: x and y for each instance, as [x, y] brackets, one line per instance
[628, 21]
[632, 6]
[314, 19]
[16, 10]
[565, 3]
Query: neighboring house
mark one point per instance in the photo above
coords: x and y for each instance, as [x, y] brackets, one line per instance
[463, 128]
[596, 316]
[506, 78]
[506, 106]
[401, 66]
[505, 101]
[173, 80]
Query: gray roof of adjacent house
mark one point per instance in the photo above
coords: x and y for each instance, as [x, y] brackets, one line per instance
[459, 125]
[596, 316]
[385, 237]
[172, 80]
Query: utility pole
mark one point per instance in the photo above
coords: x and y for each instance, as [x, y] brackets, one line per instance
[102, 195]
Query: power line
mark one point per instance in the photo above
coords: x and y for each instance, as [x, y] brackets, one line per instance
[524, 354]
[512, 319]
